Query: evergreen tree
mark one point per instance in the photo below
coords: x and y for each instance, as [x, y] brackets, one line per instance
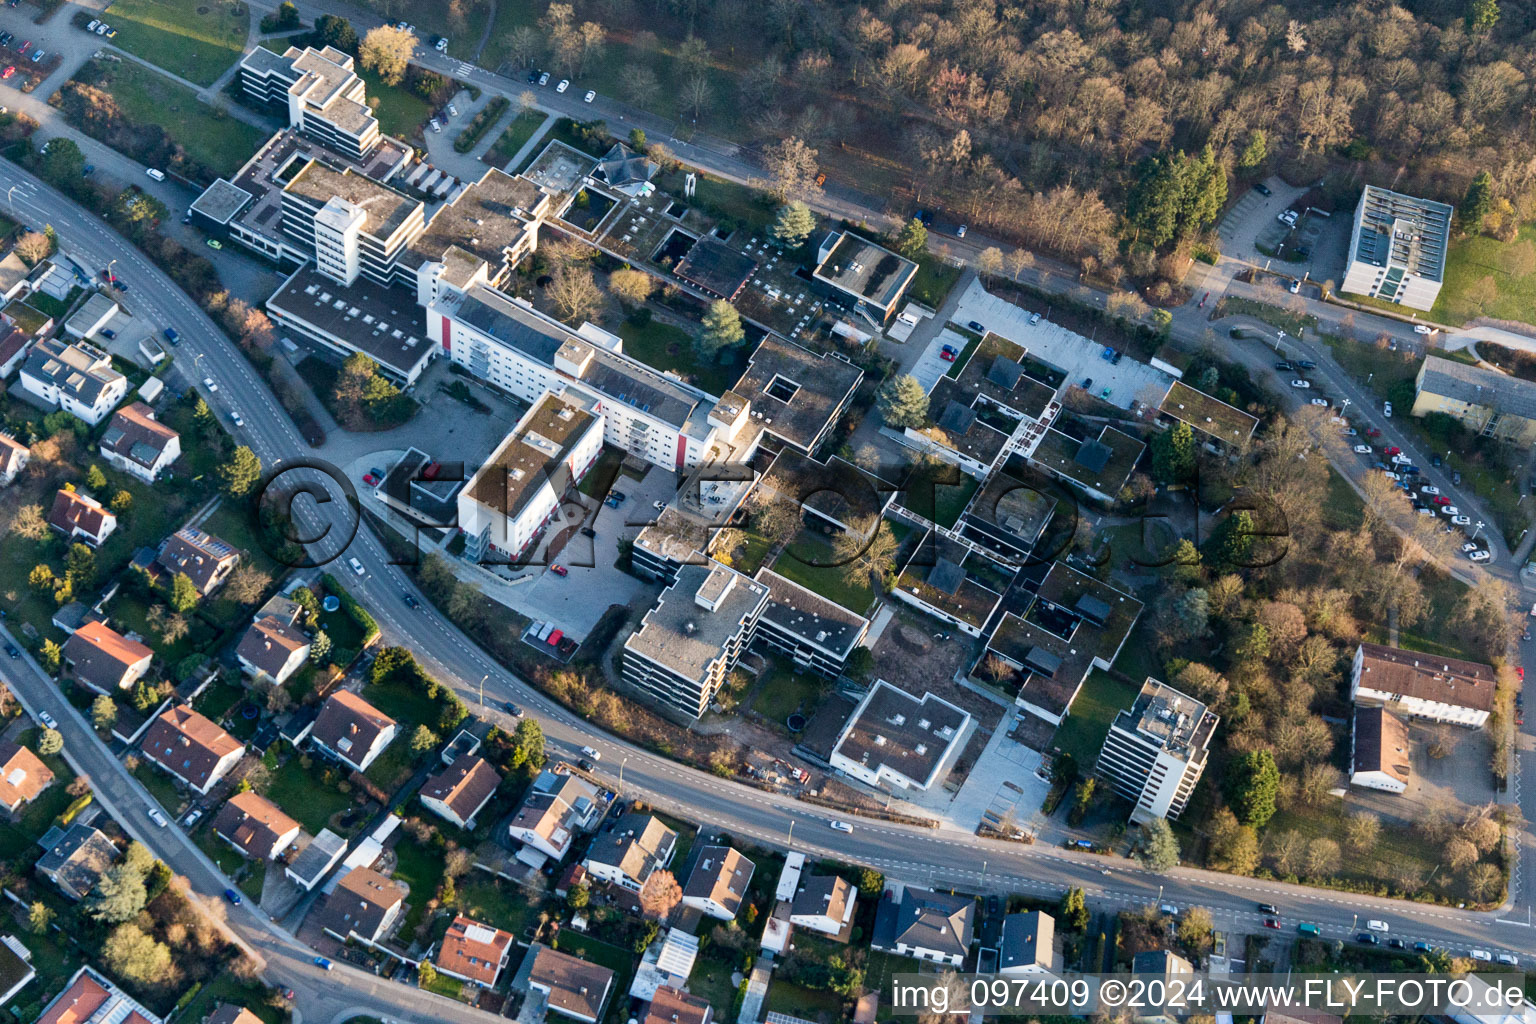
[1074, 910]
[912, 240]
[1253, 780]
[1477, 203]
[722, 328]
[119, 896]
[902, 402]
[182, 594]
[80, 567]
[794, 224]
[1159, 847]
[95, 479]
[1482, 15]
[320, 648]
[48, 656]
[241, 473]
[528, 745]
[1255, 151]
[1173, 454]
[50, 742]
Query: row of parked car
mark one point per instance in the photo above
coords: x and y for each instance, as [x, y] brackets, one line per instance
[537, 77]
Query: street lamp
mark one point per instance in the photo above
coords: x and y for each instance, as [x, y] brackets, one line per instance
[1478, 530]
[111, 278]
[482, 689]
[790, 842]
[10, 198]
[622, 762]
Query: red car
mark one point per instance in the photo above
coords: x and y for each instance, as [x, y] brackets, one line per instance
[370, 479]
[1372, 432]
[1520, 672]
[1440, 499]
[1394, 450]
[24, 46]
[8, 72]
[559, 570]
[947, 356]
[1270, 922]
[1202, 300]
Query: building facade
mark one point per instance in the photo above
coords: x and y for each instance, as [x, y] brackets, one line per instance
[1155, 751]
[1397, 248]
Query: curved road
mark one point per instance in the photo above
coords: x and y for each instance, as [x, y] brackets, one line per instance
[906, 853]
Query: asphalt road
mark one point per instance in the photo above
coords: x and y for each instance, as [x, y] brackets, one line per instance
[905, 853]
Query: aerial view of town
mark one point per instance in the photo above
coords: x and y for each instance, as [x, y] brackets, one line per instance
[815, 511]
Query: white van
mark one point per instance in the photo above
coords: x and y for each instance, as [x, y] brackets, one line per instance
[156, 173]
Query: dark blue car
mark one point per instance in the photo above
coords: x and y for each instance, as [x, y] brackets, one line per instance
[233, 897]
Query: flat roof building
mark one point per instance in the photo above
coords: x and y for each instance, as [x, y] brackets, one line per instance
[1211, 416]
[794, 394]
[509, 499]
[897, 741]
[813, 632]
[952, 582]
[321, 92]
[716, 269]
[863, 275]
[1156, 750]
[688, 644]
[1397, 248]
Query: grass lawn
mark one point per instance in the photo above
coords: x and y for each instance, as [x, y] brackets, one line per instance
[711, 981]
[1467, 262]
[160, 787]
[421, 867]
[620, 961]
[734, 202]
[486, 899]
[1434, 634]
[933, 281]
[809, 1004]
[516, 135]
[194, 39]
[401, 113]
[1397, 846]
[508, 17]
[55, 961]
[1342, 507]
[218, 699]
[669, 347]
[394, 766]
[807, 560]
[782, 693]
[1082, 732]
[220, 852]
[403, 703]
[209, 136]
[301, 793]
[1290, 323]
[686, 834]
[446, 986]
[939, 492]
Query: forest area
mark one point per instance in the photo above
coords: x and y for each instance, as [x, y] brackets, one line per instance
[1058, 126]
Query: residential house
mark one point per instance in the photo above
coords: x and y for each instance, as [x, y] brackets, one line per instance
[926, 925]
[191, 747]
[81, 518]
[103, 660]
[1379, 757]
[471, 951]
[92, 999]
[566, 984]
[1486, 401]
[717, 884]
[16, 970]
[272, 649]
[1160, 971]
[14, 457]
[825, 904]
[205, 559]
[557, 805]
[1156, 751]
[1027, 946]
[958, 585]
[674, 1006]
[315, 860]
[1422, 686]
[631, 849]
[74, 860]
[255, 826]
[23, 776]
[13, 276]
[461, 790]
[76, 377]
[139, 444]
[364, 906]
[14, 345]
[894, 739]
[352, 730]
[228, 1013]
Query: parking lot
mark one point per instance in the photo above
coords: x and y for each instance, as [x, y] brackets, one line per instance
[1251, 221]
[931, 366]
[1120, 384]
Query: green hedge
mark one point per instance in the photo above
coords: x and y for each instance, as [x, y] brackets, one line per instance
[481, 123]
[358, 613]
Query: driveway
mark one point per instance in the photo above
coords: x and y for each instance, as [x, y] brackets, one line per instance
[931, 366]
[1120, 384]
[440, 151]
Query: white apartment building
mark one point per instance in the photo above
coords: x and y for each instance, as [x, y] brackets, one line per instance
[687, 646]
[506, 503]
[896, 741]
[1423, 686]
[646, 413]
[1156, 750]
[323, 95]
[74, 376]
[1397, 248]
